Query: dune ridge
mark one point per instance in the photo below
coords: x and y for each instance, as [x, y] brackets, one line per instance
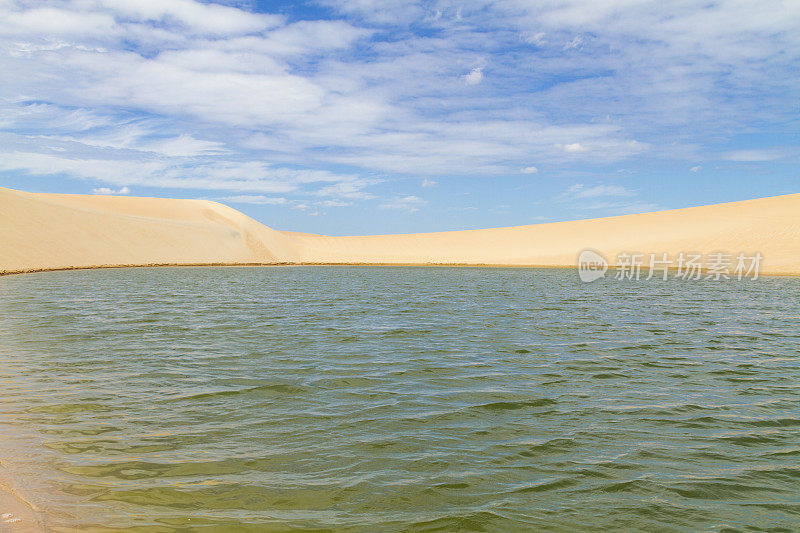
[43, 231]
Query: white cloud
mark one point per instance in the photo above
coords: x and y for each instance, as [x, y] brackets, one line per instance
[308, 209]
[477, 147]
[429, 183]
[769, 154]
[312, 35]
[179, 93]
[334, 203]
[155, 172]
[535, 38]
[579, 190]
[576, 42]
[530, 170]
[574, 148]
[53, 22]
[139, 138]
[107, 191]
[183, 146]
[272, 90]
[200, 17]
[474, 76]
[617, 208]
[695, 168]
[638, 207]
[353, 189]
[256, 199]
[408, 203]
[586, 198]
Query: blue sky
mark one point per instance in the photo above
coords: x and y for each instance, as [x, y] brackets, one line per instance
[364, 117]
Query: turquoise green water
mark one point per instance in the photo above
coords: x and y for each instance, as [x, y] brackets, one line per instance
[389, 399]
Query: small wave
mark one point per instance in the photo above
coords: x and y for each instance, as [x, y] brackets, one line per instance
[750, 440]
[719, 490]
[474, 521]
[783, 473]
[406, 332]
[557, 445]
[69, 408]
[774, 422]
[635, 486]
[510, 406]
[545, 486]
[277, 389]
[610, 375]
[785, 453]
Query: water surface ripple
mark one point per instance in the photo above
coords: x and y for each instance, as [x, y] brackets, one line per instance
[400, 399]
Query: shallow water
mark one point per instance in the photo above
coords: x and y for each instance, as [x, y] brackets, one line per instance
[385, 399]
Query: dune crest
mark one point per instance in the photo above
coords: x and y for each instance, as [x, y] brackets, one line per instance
[40, 231]
[57, 231]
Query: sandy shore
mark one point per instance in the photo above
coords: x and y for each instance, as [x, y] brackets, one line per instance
[17, 513]
[59, 231]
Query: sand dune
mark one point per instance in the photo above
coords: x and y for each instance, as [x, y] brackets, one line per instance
[55, 231]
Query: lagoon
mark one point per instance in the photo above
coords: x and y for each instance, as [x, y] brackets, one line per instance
[400, 398]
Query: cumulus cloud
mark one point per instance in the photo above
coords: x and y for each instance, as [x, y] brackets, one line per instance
[474, 76]
[530, 170]
[429, 183]
[574, 148]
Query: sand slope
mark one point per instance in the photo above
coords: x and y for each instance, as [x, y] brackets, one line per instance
[51, 231]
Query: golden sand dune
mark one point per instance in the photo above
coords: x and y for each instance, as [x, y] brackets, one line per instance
[56, 231]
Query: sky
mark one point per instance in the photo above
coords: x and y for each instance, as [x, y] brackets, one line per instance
[368, 117]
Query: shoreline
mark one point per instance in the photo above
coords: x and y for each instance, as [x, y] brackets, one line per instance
[18, 514]
[364, 264]
[286, 264]
[50, 232]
